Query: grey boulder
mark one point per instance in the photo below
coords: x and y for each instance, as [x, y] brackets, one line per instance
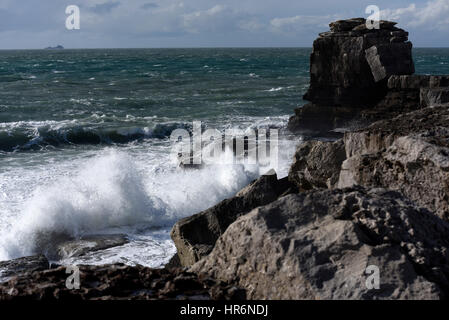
[316, 164]
[322, 244]
[195, 236]
[409, 153]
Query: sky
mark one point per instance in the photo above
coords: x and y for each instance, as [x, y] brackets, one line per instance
[34, 24]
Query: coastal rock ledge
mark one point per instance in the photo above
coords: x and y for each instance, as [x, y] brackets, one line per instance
[319, 244]
[363, 217]
[377, 199]
[117, 282]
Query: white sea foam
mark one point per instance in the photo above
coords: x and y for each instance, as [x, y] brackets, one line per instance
[114, 190]
[153, 250]
[107, 192]
[275, 89]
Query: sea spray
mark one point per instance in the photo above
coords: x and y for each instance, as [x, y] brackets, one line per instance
[106, 192]
[57, 125]
[113, 191]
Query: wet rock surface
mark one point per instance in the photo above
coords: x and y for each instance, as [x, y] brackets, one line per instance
[408, 93]
[87, 244]
[26, 264]
[118, 282]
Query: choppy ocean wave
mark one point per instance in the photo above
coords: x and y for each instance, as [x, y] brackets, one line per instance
[84, 148]
[113, 190]
[35, 135]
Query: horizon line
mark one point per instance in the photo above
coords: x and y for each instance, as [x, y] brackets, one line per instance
[200, 47]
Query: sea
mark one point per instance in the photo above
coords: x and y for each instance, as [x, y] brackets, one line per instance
[85, 144]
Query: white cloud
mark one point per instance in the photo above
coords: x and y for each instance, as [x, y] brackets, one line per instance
[121, 23]
[434, 15]
[252, 25]
[302, 23]
[219, 17]
[396, 14]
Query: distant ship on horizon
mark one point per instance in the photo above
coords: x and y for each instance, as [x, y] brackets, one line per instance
[58, 47]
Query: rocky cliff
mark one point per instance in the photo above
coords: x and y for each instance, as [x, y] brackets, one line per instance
[376, 199]
[409, 153]
[349, 70]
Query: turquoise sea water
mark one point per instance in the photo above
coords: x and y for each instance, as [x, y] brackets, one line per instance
[84, 138]
[109, 96]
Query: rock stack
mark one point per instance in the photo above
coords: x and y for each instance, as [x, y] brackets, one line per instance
[349, 70]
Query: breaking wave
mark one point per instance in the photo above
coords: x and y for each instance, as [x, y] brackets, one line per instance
[114, 191]
[35, 135]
